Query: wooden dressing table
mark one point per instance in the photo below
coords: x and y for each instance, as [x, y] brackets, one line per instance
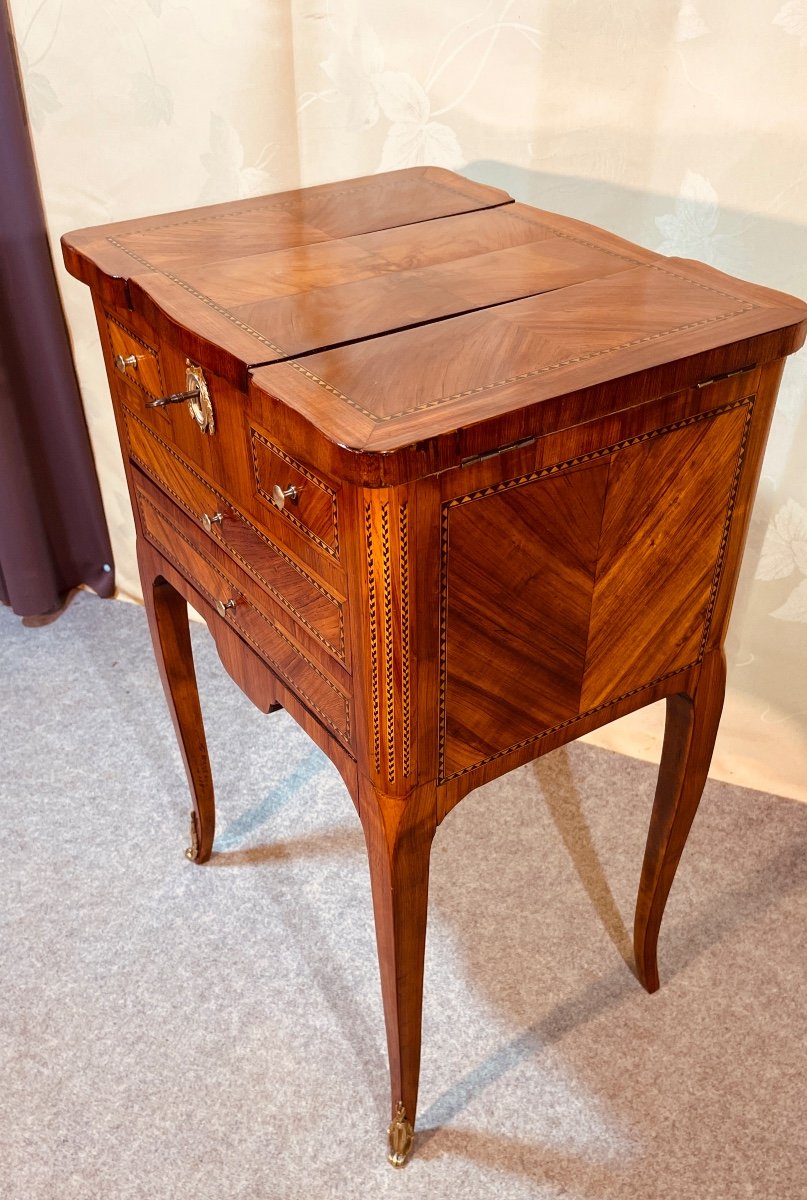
[451, 479]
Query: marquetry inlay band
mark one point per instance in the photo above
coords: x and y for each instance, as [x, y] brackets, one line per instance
[329, 546]
[389, 675]
[148, 468]
[372, 602]
[294, 684]
[747, 403]
[403, 521]
[386, 529]
[735, 309]
[131, 378]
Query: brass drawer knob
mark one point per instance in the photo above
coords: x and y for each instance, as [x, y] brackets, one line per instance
[223, 606]
[209, 521]
[124, 361]
[279, 497]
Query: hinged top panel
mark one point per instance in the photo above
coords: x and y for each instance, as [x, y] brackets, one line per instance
[205, 272]
[673, 321]
[255, 282]
[420, 309]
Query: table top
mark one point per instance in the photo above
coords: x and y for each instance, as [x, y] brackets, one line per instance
[398, 309]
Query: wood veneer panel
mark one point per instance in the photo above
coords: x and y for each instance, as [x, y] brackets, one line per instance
[314, 511]
[261, 308]
[106, 256]
[518, 575]
[318, 295]
[487, 364]
[665, 523]
[276, 273]
[318, 691]
[341, 312]
[147, 377]
[304, 597]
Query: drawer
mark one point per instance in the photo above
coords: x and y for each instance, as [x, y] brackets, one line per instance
[301, 596]
[312, 507]
[208, 430]
[176, 539]
[135, 362]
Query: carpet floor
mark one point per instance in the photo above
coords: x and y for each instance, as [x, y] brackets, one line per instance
[212, 1033]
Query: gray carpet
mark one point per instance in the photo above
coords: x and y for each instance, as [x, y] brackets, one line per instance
[180, 1032]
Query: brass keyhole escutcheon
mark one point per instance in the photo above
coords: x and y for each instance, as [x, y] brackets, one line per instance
[200, 405]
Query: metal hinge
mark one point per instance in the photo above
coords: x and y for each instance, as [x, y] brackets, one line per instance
[728, 375]
[477, 458]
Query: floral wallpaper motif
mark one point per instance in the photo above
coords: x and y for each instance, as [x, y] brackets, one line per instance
[793, 19]
[678, 124]
[371, 90]
[784, 554]
[690, 23]
[229, 177]
[691, 228]
[34, 38]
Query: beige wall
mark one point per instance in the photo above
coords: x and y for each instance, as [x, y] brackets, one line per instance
[678, 123]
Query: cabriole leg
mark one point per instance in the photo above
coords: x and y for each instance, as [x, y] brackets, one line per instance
[689, 738]
[170, 634]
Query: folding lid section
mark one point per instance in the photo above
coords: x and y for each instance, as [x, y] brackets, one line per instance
[424, 399]
[420, 308]
[151, 263]
[258, 282]
[285, 303]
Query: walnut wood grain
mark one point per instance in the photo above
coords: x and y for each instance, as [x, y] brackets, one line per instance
[170, 634]
[306, 600]
[689, 738]
[524, 452]
[108, 257]
[670, 501]
[399, 835]
[516, 617]
[483, 365]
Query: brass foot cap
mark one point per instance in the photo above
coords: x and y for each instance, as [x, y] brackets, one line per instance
[400, 1136]
[192, 852]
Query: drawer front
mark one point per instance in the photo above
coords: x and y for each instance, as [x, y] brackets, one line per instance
[313, 507]
[301, 596]
[173, 536]
[207, 430]
[136, 362]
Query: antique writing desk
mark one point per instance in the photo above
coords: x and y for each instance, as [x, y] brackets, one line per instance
[452, 480]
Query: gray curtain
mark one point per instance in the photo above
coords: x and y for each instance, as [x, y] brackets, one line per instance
[53, 535]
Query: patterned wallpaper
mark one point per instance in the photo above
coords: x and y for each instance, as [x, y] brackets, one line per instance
[677, 123]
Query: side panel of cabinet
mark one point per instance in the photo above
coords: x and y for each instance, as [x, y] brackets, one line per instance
[518, 579]
[666, 520]
[570, 587]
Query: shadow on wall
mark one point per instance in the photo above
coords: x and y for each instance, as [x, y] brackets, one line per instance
[763, 250]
